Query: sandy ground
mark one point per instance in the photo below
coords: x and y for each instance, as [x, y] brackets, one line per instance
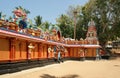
[72, 69]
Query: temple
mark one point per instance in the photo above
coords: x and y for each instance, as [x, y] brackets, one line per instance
[23, 47]
[91, 36]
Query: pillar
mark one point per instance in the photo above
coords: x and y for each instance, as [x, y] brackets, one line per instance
[12, 49]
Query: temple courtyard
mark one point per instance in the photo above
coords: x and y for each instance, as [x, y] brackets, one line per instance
[72, 69]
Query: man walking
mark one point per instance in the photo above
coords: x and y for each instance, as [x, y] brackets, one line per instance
[59, 56]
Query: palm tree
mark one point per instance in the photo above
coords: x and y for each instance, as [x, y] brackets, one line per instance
[51, 27]
[45, 26]
[38, 20]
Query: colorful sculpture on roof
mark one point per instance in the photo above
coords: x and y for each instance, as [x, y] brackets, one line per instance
[20, 12]
[20, 16]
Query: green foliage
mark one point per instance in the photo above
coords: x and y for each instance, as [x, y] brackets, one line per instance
[106, 15]
[67, 23]
[45, 25]
[38, 20]
[66, 26]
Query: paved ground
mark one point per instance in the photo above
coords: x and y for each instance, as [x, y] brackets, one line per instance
[72, 69]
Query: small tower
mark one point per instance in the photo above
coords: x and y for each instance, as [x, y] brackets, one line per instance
[56, 34]
[91, 36]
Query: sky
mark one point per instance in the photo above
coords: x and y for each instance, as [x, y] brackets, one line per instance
[48, 9]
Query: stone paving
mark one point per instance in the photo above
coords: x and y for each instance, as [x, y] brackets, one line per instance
[72, 69]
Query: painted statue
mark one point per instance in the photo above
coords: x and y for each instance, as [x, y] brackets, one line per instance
[20, 17]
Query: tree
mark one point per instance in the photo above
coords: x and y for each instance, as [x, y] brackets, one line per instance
[72, 9]
[107, 18]
[73, 13]
[97, 10]
[66, 25]
[45, 26]
[106, 15]
[38, 20]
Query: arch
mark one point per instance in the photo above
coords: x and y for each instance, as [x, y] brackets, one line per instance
[59, 34]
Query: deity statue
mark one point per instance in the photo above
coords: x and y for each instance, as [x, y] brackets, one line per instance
[30, 50]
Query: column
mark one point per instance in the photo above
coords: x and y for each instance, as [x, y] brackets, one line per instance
[12, 49]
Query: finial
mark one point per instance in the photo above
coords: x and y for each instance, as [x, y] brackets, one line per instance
[91, 23]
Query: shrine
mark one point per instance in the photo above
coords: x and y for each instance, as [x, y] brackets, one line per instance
[23, 47]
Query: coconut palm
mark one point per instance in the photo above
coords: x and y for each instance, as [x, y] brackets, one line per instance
[45, 26]
[38, 20]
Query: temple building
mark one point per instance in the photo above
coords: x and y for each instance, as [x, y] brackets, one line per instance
[22, 47]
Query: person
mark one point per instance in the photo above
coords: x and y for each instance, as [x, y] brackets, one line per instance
[55, 59]
[59, 56]
[98, 57]
[62, 49]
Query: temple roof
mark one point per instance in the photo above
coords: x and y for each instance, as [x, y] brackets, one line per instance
[35, 39]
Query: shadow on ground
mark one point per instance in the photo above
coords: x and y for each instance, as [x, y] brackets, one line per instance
[66, 76]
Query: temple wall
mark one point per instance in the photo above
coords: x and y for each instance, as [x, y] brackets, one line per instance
[4, 49]
[18, 50]
[75, 52]
[36, 51]
[71, 52]
[90, 52]
[45, 51]
[66, 52]
[51, 55]
[40, 50]
[12, 49]
[24, 50]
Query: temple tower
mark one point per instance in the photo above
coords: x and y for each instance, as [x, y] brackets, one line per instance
[91, 36]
